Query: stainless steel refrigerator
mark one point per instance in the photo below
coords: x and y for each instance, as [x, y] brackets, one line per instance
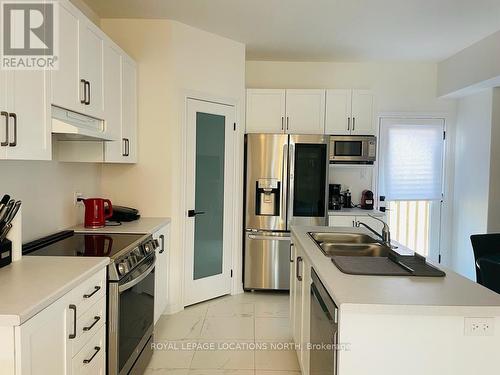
[286, 179]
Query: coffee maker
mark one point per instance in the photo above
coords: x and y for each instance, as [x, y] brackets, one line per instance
[335, 197]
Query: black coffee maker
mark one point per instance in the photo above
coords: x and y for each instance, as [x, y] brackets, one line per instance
[335, 197]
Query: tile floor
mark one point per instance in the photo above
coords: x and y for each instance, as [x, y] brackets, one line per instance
[232, 335]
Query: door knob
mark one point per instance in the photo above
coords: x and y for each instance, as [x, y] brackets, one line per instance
[193, 213]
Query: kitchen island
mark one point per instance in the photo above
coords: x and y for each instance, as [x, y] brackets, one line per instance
[394, 324]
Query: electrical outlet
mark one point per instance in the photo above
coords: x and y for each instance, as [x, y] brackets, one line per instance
[76, 197]
[479, 326]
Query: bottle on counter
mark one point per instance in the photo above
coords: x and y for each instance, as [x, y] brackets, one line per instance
[381, 203]
[347, 199]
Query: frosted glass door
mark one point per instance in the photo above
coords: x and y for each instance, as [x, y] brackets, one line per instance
[209, 195]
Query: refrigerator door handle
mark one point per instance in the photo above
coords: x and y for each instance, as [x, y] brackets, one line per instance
[271, 238]
[284, 192]
[290, 192]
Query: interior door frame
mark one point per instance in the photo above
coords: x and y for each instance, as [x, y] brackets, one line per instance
[236, 185]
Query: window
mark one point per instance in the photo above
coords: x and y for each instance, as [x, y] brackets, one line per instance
[411, 179]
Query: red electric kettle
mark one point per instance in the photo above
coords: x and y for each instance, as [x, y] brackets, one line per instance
[95, 212]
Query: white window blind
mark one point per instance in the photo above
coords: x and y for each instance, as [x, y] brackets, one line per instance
[411, 159]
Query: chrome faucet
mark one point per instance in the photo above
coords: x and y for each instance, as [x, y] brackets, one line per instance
[386, 233]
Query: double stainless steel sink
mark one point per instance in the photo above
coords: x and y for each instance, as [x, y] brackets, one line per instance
[349, 244]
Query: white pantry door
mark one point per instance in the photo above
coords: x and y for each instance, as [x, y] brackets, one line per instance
[209, 192]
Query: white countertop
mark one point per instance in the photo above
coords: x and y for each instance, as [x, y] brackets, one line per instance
[34, 282]
[142, 226]
[354, 212]
[449, 294]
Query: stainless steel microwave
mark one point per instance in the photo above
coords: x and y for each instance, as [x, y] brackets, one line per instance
[351, 149]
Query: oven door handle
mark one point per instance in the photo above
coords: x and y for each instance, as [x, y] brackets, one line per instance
[137, 280]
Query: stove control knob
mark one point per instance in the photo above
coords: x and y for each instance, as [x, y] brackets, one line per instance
[147, 247]
[123, 267]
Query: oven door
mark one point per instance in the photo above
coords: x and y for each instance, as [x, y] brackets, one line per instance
[131, 310]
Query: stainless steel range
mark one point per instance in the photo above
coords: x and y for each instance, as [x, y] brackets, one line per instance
[130, 290]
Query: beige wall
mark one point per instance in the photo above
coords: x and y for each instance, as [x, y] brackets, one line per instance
[172, 59]
[47, 190]
[472, 177]
[399, 87]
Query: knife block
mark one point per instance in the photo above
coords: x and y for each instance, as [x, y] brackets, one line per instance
[5, 253]
[16, 237]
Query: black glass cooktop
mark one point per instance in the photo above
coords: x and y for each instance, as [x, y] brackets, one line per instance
[69, 243]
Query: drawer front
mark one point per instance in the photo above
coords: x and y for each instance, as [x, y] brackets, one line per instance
[91, 359]
[88, 324]
[89, 292]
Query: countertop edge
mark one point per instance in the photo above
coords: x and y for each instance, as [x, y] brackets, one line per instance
[9, 320]
[320, 266]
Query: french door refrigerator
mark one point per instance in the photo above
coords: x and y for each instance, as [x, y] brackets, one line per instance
[286, 179]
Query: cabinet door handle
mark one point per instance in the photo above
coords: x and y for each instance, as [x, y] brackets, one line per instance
[14, 117]
[128, 147]
[96, 348]
[348, 123]
[6, 115]
[96, 289]
[73, 335]
[354, 123]
[83, 91]
[96, 319]
[282, 123]
[162, 238]
[291, 257]
[287, 122]
[297, 267]
[87, 86]
[124, 146]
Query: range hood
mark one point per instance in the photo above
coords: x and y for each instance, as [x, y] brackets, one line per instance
[72, 126]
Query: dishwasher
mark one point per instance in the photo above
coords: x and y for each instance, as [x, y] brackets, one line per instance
[324, 330]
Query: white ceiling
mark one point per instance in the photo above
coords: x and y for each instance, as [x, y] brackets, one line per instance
[328, 30]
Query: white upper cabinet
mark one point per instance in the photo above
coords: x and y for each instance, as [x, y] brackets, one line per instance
[91, 69]
[25, 132]
[78, 84]
[362, 112]
[285, 111]
[305, 111]
[338, 112]
[29, 116]
[124, 150]
[349, 112]
[4, 115]
[265, 111]
[129, 110]
[113, 92]
[67, 92]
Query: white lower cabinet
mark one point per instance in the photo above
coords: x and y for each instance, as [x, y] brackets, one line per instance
[161, 271]
[40, 343]
[67, 337]
[300, 295]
